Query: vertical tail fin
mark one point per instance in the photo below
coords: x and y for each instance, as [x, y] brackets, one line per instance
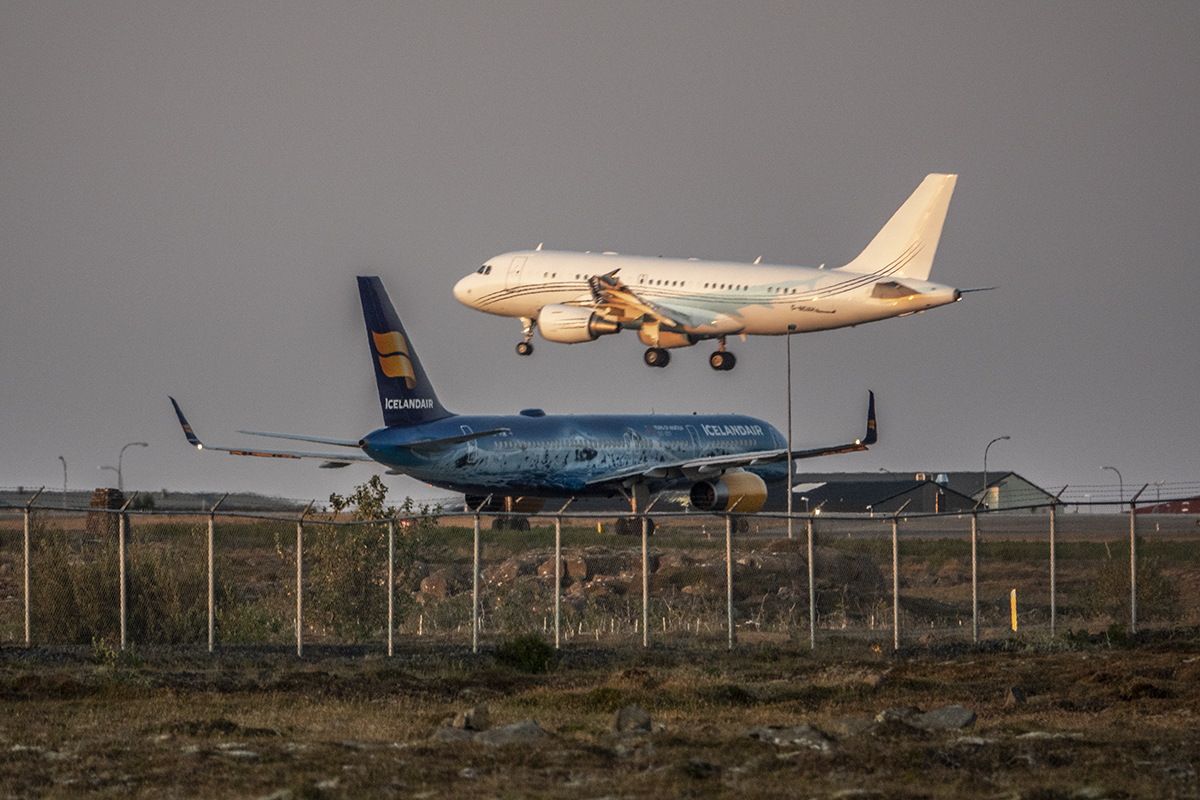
[405, 395]
[907, 243]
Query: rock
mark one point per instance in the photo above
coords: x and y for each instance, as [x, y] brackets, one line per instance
[546, 570]
[473, 719]
[508, 572]
[946, 718]
[903, 714]
[523, 732]
[633, 719]
[1015, 696]
[435, 585]
[576, 568]
[799, 736]
[450, 734]
[845, 727]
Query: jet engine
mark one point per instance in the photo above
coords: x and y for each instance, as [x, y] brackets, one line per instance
[573, 324]
[736, 490]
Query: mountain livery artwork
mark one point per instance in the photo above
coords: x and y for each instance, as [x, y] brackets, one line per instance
[520, 460]
[677, 302]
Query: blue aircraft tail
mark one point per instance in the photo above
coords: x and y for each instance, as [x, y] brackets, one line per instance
[405, 394]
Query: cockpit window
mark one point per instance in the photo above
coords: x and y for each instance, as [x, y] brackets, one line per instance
[486, 269]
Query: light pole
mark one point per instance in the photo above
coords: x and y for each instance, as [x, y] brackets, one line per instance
[1120, 483]
[60, 458]
[791, 463]
[985, 452]
[120, 456]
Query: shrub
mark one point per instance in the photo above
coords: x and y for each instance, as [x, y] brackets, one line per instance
[348, 564]
[529, 653]
[1108, 594]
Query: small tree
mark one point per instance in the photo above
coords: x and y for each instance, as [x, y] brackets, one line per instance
[348, 571]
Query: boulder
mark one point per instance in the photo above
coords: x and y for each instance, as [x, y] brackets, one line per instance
[633, 719]
[799, 736]
[946, 718]
[523, 732]
[475, 718]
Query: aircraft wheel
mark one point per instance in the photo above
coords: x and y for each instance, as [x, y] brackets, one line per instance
[741, 525]
[499, 524]
[525, 349]
[518, 524]
[722, 361]
[657, 357]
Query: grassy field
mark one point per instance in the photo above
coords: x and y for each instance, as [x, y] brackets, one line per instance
[1104, 716]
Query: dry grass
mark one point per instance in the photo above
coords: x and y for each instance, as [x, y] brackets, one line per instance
[1116, 722]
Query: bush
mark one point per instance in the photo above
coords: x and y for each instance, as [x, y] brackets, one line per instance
[529, 653]
[1157, 597]
[347, 567]
[77, 600]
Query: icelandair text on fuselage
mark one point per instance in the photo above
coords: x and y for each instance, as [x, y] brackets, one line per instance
[391, 403]
[732, 430]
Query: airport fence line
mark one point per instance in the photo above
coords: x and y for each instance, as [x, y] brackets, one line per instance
[122, 579]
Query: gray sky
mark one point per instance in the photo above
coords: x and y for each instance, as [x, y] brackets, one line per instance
[188, 189]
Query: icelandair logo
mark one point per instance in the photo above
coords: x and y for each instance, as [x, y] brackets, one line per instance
[392, 404]
[732, 430]
[392, 351]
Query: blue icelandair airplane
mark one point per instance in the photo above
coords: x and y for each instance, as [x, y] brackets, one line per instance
[521, 460]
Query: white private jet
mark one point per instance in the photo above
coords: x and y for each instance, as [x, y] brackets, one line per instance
[678, 302]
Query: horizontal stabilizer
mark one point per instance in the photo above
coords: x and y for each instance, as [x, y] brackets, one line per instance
[313, 439]
[434, 445]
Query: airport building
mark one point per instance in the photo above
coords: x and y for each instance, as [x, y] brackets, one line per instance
[886, 492]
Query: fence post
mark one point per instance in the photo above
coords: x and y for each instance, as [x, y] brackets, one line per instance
[300, 581]
[300, 588]
[557, 582]
[27, 508]
[475, 591]
[729, 576]
[895, 585]
[645, 583]
[1133, 617]
[122, 521]
[975, 576]
[1053, 575]
[211, 571]
[391, 580]
[896, 577]
[812, 591]
[1132, 571]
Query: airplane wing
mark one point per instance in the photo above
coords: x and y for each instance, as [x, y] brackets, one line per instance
[614, 298]
[332, 460]
[715, 465]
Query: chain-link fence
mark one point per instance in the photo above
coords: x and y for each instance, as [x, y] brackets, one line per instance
[109, 578]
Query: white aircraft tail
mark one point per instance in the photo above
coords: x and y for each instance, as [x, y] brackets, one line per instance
[907, 243]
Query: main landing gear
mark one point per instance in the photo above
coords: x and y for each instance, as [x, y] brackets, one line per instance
[657, 357]
[722, 361]
[525, 348]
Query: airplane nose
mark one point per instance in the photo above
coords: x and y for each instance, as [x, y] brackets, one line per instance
[462, 291]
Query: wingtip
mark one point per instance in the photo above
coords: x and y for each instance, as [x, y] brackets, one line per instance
[872, 426]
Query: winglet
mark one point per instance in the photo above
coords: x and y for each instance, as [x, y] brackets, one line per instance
[872, 428]
[187, 429]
